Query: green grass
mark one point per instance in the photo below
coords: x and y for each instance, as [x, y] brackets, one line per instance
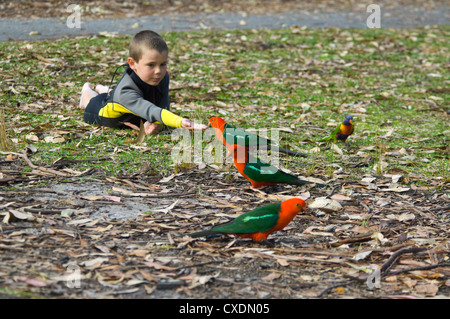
[301, 79]
[6, 293]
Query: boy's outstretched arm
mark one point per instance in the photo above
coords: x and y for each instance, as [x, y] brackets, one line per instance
[173, 120]
[153, 128]
[186, 123]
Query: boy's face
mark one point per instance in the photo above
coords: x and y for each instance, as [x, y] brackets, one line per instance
[152, 66]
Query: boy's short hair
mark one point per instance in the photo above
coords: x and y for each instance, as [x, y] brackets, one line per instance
[146, 39]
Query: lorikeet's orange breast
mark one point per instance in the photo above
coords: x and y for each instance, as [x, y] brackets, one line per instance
[346, 129]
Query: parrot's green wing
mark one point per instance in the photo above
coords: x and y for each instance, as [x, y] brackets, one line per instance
[238, 136]
[264, 172]
[332, 135]
[260, 219]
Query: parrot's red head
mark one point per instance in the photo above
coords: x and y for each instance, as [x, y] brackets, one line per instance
[293, 205]
[217, 122]
[289, 209]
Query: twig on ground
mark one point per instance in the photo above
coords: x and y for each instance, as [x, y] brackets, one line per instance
[390, 262]
[352, 240]
[401, 271]
[332, 191]
[44, 169]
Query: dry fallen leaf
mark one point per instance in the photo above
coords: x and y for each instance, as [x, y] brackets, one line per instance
[158, 266]
[312, 231]
[283, 262]
[325, 204]
[340, 198]
[362, 255]
[112, 198]
[409, 282]
[367, 180]
[396, 178]
[200, 280]
[94, 263]
[272, 276]
[402, 217]
[92, 198]
[52, 139]
[336, 148]
[315, 150]
[32, 138]
[32, 281]
[139, 252]
[428, 290]
[15, 215]
[169, 178]
[396, 189]
[167, 209]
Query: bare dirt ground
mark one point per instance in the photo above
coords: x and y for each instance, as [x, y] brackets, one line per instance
[93, 236]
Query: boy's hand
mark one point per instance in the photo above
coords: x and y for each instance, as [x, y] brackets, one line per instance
[150, 128]
[185, 123]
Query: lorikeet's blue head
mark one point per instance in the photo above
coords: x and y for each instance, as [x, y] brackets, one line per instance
[348, 120]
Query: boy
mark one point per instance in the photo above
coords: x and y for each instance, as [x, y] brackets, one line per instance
[141, 94]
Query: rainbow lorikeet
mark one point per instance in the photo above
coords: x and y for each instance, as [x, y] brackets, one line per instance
[342, 131]
[260, 222]
[230, 135]
[260, 173]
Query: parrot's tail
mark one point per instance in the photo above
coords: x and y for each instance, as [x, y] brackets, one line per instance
[203, 233]
[289, 152]
[303, 182]
[329, 138]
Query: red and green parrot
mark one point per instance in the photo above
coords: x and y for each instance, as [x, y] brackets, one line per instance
[342, 131]
[260, 173]
[260, 222]
[230, 135]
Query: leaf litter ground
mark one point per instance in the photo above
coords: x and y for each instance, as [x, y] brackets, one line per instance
[89, 202]
[127, 237]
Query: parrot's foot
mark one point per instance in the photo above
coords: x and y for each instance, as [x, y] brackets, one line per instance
[267, 243]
